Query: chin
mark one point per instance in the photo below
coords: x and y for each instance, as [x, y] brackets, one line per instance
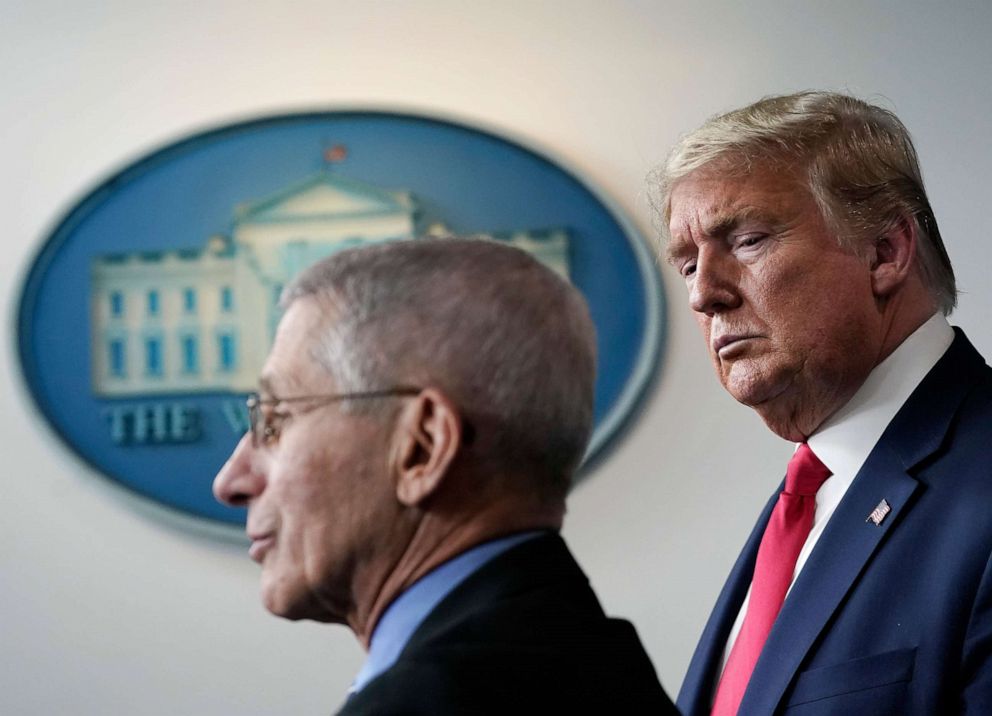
[274, 604]
[285, 608]
[774, 405]
[279, 597]
[754, 394]
[755, 383]
[295, 605]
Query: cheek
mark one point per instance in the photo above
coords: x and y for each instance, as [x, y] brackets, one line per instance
[705, 324]
[309, 544]
[295, 496]
[306, 476]
[797, 302]
[825, 321]
[841, 308]
[781, 292]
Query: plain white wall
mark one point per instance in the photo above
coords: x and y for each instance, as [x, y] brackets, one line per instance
[105, 608]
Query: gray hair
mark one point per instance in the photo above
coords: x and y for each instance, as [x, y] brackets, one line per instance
[509, 341]
[859, 164]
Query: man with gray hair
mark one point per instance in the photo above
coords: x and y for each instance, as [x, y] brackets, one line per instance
[820, 281]
[421, 414]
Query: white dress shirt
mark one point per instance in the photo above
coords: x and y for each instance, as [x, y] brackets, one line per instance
[845, 440]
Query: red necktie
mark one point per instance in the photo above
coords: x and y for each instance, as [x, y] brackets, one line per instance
[784, 537]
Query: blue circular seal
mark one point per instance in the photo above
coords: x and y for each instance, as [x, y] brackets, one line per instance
[148, 312]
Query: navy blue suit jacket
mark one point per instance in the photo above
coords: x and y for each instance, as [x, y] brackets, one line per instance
[893, 618]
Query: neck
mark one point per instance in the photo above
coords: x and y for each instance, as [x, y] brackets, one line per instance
[439, 537]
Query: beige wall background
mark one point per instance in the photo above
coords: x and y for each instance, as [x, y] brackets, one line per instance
[106, 607]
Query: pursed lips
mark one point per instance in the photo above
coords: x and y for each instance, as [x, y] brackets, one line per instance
[261, 542]
[729, 340]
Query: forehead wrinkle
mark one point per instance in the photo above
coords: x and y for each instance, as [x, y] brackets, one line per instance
[715, 221]
[681, 239]
[694, 224]
[289, 371]
[725, 220]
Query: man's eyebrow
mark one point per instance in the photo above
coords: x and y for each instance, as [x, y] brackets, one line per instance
[272, 384]
[676, 250]
[279, 385]
[722, 224]
[265, 385]
[716, 227]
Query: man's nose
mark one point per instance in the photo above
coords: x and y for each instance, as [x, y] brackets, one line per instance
[241, 478]
[714, 285]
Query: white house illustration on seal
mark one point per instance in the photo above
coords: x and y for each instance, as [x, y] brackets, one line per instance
[202, 319]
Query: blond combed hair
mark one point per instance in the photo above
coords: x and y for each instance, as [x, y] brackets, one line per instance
[857, 159]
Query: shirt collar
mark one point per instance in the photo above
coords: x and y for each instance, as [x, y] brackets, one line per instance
[409, 610]
[846, 438]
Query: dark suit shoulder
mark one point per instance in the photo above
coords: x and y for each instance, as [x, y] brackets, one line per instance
[959, 464]
[476, 680]
[524, 635]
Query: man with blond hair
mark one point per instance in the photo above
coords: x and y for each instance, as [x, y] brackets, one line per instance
[818, 276]
[420, 417]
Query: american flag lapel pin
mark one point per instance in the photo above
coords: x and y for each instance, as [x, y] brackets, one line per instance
[878, 514]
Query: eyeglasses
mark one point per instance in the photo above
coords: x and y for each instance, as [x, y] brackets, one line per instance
[265, 426]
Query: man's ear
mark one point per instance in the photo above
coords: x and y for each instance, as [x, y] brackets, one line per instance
[427, 439]
[893, 257]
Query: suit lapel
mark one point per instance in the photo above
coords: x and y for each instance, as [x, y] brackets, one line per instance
[847, 544]
[840, 555]
[696, 695]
